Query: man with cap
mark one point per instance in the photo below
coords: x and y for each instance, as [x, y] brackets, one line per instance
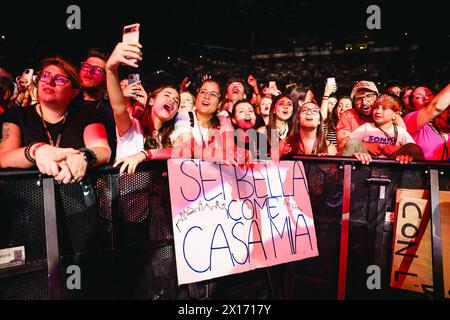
[364, 95]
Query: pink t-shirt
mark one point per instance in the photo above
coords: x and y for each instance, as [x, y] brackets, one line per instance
[431, 143]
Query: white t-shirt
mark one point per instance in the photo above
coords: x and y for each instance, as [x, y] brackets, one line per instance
[132, 141]
[200, 134]
[368, 132]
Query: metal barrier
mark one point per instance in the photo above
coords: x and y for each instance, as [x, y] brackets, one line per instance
[118, 230]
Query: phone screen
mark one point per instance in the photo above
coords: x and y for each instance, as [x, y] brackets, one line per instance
[272, 85]
[133, 78]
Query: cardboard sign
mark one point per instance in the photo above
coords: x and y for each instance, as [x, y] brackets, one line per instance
[412, 267]
[228, 220]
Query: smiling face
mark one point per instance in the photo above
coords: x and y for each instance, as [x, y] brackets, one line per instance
[92, 73]
[309, 116]
[421, 97]
[283, 109]
[343, 105]
[208, 98]
[244, 115]
[50, 92]
[165, 104]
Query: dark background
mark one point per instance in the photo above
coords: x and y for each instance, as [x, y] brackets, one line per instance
[231, 30]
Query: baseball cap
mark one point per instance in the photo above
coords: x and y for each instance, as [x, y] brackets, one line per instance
[368, 85]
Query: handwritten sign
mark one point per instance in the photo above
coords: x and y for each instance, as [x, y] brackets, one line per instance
[412, 267]
[228, 220]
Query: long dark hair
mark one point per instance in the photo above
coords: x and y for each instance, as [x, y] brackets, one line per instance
[295, 140]
[273, 117]
[333, 120]
[148, 126]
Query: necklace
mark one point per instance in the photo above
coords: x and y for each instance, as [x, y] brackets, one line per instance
[47, 131]
[392, 140]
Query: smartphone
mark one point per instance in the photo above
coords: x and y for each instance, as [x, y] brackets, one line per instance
[28, 75]
[133, 78]
[273, 85]
[331, 81]
[131, 34]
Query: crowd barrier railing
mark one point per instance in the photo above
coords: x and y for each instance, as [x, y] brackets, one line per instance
[117, 230]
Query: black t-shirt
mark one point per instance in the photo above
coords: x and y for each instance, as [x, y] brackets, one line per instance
[103, 111]
[32, 129]
[259, 122]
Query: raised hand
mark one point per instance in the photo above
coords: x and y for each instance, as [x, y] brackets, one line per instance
[185, 84]
[123, 55]
[329, 89]
[252, 82]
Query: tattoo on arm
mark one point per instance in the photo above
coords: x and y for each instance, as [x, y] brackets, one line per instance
[5, 131]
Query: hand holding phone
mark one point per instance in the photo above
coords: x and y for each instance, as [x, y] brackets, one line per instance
[27, 77]
[330, 87]
[272, 85]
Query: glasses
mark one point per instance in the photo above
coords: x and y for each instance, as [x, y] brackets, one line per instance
[204, 92]
[313, 111]
[368, 97]
[92, 69]
[59, 79]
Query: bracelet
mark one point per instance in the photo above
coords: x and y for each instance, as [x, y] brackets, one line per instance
[148, 154]
[145, 154]
[325, 97]
[27, 152]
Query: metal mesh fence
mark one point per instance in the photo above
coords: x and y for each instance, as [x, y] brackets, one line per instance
[133, 257]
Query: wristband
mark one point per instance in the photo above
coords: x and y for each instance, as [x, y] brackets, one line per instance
[148, 154]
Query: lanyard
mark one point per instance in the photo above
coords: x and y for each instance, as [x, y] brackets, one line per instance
[47, 132]
[393, 141]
